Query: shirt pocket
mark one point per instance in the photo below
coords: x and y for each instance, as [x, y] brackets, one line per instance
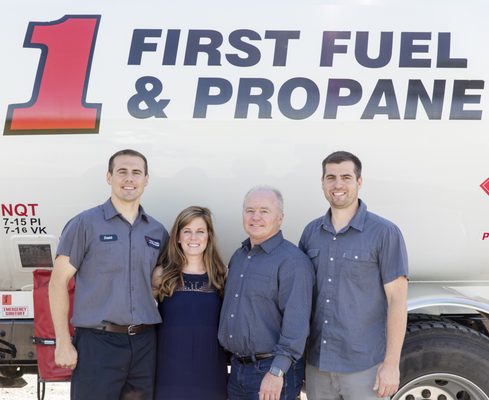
[111, 257]
[360, 264]
[259, 284]
[151, 258]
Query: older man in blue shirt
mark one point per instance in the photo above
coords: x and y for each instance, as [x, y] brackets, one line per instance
[359, 312]
[267, 302]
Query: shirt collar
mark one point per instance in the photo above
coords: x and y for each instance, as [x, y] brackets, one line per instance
[357, 222]
[268, 245]
[110, 211]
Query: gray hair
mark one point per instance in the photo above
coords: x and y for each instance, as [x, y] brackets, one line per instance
[266, 188]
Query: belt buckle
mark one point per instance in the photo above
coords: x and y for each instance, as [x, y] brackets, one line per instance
[130, 330]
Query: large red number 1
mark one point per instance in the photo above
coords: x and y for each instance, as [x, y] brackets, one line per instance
[58, 99]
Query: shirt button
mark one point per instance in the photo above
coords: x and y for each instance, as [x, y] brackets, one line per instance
[327, 300]
[230, 336]
[232, 315]
[331, 259]
[329, 279]
[334, 238]
[356, 257]
[241, 275]
[249, 257]
[324, 341]
[236, 295]
[326, 321]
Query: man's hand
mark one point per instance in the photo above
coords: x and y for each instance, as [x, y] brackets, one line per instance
[270, 387]
[387, 380]
[65, 356]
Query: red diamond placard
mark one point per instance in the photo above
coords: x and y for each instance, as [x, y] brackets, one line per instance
[485, 186]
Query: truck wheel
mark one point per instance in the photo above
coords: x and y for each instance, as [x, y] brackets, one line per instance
[11, 372]
[442, 360]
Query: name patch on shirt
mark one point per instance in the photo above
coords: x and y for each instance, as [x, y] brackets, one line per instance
[154, 243]
[108, 238]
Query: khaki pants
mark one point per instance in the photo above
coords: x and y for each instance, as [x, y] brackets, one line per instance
[340, 386]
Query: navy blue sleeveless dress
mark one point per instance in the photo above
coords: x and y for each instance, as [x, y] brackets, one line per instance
[190, 362]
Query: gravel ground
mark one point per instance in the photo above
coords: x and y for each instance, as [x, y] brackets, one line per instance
[54, 391]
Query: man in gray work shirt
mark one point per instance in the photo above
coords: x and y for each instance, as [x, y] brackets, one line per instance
[267, 302]
[359, 312]
[111, 250]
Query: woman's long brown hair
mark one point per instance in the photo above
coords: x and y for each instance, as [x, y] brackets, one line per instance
[173, 259]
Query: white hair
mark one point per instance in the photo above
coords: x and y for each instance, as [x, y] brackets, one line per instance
[266, 188]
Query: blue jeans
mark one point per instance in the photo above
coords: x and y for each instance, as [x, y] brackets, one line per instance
[245, 379]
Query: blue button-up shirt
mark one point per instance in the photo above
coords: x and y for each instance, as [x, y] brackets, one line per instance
[114, 262]
[267, 301]
[348, 329]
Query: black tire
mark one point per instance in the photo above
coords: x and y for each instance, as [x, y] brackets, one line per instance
[11, 372]
[416, 318]
[443, 359]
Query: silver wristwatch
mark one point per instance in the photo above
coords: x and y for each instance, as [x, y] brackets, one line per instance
[276, 371]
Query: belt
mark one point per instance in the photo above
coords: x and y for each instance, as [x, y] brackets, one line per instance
[129, 329]
[252, 359]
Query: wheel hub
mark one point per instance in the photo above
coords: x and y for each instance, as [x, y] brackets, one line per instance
[440, 387]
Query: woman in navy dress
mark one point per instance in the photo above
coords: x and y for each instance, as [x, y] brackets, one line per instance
[190, 362]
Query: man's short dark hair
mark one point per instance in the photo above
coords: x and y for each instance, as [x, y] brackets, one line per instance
[341, 156]
[128, 152]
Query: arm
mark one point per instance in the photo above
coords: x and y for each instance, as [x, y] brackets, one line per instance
[65, 355]
[156, 280]
[387, 380]
[157, 274]
[294, 300]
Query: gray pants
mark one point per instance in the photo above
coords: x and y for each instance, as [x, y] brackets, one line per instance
[340, 386]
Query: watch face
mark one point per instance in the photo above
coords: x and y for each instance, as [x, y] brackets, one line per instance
[276, 371]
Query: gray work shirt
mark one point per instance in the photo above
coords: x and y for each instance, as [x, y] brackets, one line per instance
[267, 301]
[348, 329]
[114, 262]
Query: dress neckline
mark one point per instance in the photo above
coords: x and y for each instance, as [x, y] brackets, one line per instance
[194, 275]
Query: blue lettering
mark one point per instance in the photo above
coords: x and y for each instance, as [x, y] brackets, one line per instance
[138, 45]
[383, 89]
[329, 47]
[334, 99]
[194, 46]
[281, 45]
[253, 54]
[460, 98]
[171, 47]
[204, 98]
[385, 51]
[433, 106]
[443, 59]
[285, 94]
[245, 98]
[408, 48]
